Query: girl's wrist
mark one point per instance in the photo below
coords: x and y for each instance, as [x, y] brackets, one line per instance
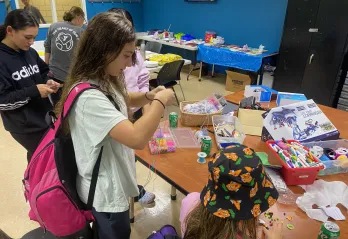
[149, 96]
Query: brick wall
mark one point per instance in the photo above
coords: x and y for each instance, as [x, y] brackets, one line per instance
[45, 7]
[63, 6]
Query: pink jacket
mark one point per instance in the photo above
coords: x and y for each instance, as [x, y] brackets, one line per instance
[137, 77]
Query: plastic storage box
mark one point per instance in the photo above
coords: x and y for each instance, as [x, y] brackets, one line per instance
[223, 142]
[296, 176]
[332, 166]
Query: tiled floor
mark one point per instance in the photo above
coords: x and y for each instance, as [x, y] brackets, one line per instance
[13, 209]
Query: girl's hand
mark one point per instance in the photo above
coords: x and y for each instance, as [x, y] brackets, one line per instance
[275, 232]
[54, 85]
[151, 95]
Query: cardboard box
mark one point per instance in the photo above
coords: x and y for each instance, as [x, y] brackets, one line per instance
[285, 98]
[303, 121]
[236, 81]
[251, 120]
[262, 94]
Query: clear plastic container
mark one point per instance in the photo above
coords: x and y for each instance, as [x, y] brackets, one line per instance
[332, 166]
[222, 141]
[184, 138]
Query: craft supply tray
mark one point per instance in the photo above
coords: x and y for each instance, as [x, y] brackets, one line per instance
[332, 166]
[295, 176]
[223, 142]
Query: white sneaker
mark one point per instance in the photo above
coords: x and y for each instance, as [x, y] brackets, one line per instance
[148, 200]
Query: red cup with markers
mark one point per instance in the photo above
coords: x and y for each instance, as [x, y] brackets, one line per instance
[299, 166]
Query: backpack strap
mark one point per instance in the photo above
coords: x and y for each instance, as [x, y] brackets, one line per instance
[72, 97]
[94, 180]
[75, 92]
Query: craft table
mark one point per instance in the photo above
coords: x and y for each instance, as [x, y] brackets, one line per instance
[225, 57]
[158, 68]
[181, 170]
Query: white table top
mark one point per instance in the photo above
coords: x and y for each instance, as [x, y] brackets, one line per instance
[169, 43]
[158, 68]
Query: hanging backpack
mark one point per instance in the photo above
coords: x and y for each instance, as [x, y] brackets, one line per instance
[50, 180]
[166, 232]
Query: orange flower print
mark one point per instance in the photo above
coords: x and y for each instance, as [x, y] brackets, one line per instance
[266, 183]
[216, 173]
[253, 191]
[256, 211]
[271, 201]
[213, 198]
[210, 178]
[236, 204]
[235, 173]
[248, 151]
[233, 186]
[248, 169]
[246, 178]
[231, 156]
[222, 213]
[216, 187]
[216, 157]
[206, 198]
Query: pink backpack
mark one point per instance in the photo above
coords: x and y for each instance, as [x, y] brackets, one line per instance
[50, 180]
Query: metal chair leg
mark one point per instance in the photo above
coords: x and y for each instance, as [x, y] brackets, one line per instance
[176, 97]
[182, 91]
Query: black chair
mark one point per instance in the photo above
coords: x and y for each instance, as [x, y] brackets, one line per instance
[169, 76]
[38, 233]
[153, 46]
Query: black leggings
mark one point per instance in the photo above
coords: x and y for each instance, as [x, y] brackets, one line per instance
[112, 225]
[29, 141]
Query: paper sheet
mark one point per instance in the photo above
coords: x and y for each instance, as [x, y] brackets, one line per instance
[324, 195]
[334, 212]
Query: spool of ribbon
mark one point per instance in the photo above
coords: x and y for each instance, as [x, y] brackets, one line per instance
[317, 151]
[201, 157]
[339, 153]
[331, 154]
[344, 150]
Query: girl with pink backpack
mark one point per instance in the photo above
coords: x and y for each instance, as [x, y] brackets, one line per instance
[95, 122]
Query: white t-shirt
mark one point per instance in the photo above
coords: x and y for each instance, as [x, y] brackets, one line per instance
[91, 119]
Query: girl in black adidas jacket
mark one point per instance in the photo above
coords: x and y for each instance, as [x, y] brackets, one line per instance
[24, 86]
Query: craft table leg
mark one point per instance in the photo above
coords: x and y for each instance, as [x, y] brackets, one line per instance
[173, 193]
[193, 69]
[261, 74]
[212, 71]
[200, 71]
[131, 209]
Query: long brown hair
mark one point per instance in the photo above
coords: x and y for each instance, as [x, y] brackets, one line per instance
[72, 13]
[100, 44]
[202, 224]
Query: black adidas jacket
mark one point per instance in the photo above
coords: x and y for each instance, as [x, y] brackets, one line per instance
[22, 109]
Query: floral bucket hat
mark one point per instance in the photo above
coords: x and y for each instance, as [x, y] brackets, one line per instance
[238, 187]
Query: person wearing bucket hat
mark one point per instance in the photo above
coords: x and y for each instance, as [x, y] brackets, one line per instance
[237, 192]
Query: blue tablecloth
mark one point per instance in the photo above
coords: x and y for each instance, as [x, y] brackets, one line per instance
[226, 57]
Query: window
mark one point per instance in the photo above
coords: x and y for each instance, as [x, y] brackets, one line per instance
[50, 10]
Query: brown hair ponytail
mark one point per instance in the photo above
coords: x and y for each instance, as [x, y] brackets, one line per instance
[73, 13]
